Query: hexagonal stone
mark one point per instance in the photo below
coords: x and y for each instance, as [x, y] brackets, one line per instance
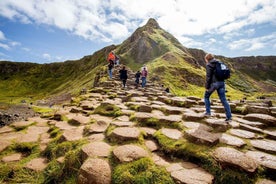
[125, 133]
[95, 149]
[194, 175]
[78, 119]
[169, 118]
[263, 118]
[129, 153]
[95, 171]
[200, 136]
[192, 116]
[72, 134]
[98, 127]
[231, 140]
[37, 164]
[242, 133]
[151, 145]
[266, 145]
[217, 124]
[195, 125]
[231, 156]
[12, 158]
[264, 159]
[172, 133]
[172, 110]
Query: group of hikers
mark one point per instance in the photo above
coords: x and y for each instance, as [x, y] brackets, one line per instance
[212, 83]
[113, 61]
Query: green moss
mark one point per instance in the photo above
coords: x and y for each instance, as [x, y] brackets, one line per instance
[66, 172]
[26, 148]
[54, 132]
[57, 149]
[53, 172]
[108, 110]
[141, 171]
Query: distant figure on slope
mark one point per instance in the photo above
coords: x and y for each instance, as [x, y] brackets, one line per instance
[144, 66]
[144, 74]
[212, 84]
[123, 75]
[137, 78]
[110, 59]
[117, 60]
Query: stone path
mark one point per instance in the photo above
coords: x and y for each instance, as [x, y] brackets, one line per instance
[248, 143]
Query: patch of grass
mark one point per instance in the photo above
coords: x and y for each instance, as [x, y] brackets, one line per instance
[14, 172]
[26, 148]
[108, 110]
[155, 123]
[141, 171]
[56, 149]
[54, 132]
[66, 172]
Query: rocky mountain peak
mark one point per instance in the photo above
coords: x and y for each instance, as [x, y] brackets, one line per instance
[153, 24]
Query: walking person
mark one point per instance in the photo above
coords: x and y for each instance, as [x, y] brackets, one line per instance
[123, 75]
[212, 84]
[144, 75]
[110, 69]
[137, 78]
[111, 60]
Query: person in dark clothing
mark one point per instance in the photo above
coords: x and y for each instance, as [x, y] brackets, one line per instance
[123, 75]
[137, 78]
[212, 84]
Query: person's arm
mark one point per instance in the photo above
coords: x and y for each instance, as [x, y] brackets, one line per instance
[209, 71]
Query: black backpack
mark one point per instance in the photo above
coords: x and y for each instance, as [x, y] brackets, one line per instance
[222, 72]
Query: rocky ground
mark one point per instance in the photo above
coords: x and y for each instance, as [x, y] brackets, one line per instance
[121, 126]
[14, 113]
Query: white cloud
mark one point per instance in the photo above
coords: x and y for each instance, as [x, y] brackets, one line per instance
[13, 43]
[46, 56]
[5, 46]
[2, 36]
[255, 46]
[26, 49]
[178, 17]
[112, 21]
[254, 43]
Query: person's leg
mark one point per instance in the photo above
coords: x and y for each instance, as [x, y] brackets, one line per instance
[124, 82]
[143, 82]
[109, 73]
[221, 94]
[207, 95]
[207, 102]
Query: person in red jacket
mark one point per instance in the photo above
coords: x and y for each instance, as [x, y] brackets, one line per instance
[111, 57]
[111, 60]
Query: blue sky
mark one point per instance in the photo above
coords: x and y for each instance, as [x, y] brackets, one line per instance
[45, 31]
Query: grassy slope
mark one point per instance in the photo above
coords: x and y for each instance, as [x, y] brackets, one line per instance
[34, 81]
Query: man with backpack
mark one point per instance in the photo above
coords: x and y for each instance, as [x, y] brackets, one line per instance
[216, 73]
[123, 75]
[137, 78]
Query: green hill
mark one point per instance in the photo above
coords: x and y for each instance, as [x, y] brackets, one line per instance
[170, 64]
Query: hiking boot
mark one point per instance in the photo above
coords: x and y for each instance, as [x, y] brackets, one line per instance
[228, 120]
[207, 115]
